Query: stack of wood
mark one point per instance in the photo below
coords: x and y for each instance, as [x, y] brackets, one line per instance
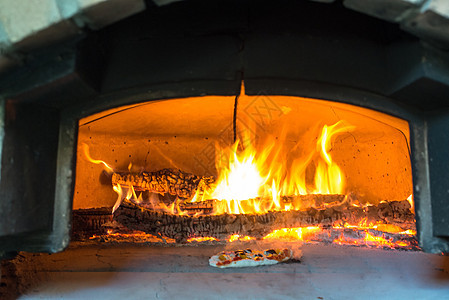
[199, 221]
[182, 227]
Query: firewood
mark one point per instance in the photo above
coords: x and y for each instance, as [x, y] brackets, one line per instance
[171, 181]
[212, 205]
[86, 222]
[181, 227]
[203, 207]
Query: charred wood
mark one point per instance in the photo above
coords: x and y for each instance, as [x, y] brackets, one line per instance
[86, 222]
[181, 227]
[209, 206]
[203, 207]
[171, 181]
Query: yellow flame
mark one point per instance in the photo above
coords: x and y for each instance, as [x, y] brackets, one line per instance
[237, 237]
[254, 179]
[329, 178]
[95, 161]
[412, 203]
[381, 241]
[314, 233]
[118, 189]
[298, 233]
[241, 179]
[129, 193]
[201, 239]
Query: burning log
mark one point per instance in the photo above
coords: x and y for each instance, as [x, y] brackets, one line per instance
[212, 205]
[203, 207]
[182, 227]
[171, 181]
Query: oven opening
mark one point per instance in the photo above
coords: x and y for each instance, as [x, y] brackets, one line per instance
[255, 169]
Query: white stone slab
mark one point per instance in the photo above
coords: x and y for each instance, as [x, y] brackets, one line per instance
[329, 272]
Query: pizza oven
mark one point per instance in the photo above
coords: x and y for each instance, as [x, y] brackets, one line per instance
[194, 127]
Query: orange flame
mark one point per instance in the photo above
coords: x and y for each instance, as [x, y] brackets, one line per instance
[329, 178]
[315, 234]
[237, 237]
[125, 193]
[201, 239]
[254, 179]
[248, 177]
[298, 233]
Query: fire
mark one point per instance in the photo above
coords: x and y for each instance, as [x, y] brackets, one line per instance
[299, 233]
[135, 236]
[329, 178]
[373, 241]
[256, 178]
[237, 237]
[108, 168]
[129, 192]
[311, 234]
[253, 179]
[358, 237]
[201, 239]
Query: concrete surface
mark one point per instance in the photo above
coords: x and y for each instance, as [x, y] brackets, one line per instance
[143, 272]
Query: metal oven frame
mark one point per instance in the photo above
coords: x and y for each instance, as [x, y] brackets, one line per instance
[298, 49]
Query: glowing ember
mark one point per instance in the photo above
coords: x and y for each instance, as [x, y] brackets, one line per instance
[201, 239]
[374, 241]
[299, 233]
[393, 229]
[310, 234]
[377, 240]
[237, 237]
[357, 237]
[134, 236]
[389, 228]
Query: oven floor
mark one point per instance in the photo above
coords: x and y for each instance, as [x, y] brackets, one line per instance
[143, 272]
